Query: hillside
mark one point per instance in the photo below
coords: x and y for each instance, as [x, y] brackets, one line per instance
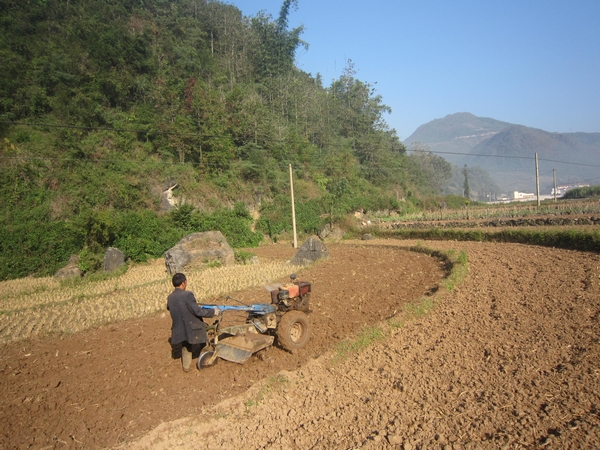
[106, 105]
[510, 150]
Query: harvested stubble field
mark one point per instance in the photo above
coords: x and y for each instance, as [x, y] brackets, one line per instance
[508, 359]
[41, 306]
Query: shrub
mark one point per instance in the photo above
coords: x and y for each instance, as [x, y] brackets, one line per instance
[276, 217]
[233, 223]
[572, 239]
[90, 260]
[41, 249]
[583, 192]
[242, 256]
[144, 233]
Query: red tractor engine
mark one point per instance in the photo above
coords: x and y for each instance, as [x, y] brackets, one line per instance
[292, 296]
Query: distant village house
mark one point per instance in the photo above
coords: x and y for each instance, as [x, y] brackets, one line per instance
[522, 196]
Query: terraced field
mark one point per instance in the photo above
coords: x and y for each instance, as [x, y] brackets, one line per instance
[509, 358]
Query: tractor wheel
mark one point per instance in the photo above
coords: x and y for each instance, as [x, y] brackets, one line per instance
[293, 331]
[204, 360]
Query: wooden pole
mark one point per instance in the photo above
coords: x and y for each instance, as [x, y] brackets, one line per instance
[554, 176]
[537, 181]
[293, 208]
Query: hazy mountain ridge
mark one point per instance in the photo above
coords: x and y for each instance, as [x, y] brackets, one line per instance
[459, 130]
[510, 149]
[513, 139]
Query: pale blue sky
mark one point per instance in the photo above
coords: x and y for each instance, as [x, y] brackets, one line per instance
[529, 62]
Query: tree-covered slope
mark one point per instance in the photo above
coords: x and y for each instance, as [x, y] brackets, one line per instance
[104, 104]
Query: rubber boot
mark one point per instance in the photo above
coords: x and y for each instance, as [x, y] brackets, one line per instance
[186, 359]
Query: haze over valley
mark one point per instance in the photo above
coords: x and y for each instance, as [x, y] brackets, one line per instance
[507, 151]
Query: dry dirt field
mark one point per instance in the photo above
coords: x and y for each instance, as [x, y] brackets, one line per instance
[508, 359]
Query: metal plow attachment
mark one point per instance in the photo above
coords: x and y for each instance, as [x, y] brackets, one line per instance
[239, 348]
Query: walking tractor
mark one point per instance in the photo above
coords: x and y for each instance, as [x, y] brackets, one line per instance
[284, 319]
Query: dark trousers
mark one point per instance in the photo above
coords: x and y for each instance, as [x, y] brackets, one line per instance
[194, 349]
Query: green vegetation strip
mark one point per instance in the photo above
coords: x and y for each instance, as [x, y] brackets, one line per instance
[456, 265]
[273, 384]
[575, 239]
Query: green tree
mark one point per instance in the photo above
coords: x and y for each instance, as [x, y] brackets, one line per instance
[276, 48]
[467, 189]
[335, 190]
[126, 97]
[436, 169]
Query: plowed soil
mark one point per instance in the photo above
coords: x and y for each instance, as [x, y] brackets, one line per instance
[508, 359]
[110, 385]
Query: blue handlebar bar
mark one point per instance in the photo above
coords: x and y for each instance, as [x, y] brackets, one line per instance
[257, 308]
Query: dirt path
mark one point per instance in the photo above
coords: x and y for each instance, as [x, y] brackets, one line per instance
[510, 359]
[112, 385]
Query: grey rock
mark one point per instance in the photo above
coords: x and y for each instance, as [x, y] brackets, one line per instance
[198, 249]
[331, 233]
[311, 250]
[71, 270]
[326, 231]
[113, 259]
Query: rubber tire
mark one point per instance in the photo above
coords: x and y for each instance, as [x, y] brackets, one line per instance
[203, 358]
[293, 331]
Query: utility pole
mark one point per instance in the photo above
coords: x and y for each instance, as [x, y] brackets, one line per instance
[293, 208]
[537, 181]
[554, 175]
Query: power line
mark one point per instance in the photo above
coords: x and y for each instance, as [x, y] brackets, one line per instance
[208, 136]
[565, 162]
[89, 128]
[590, 179]
[470, 154]
[381, 168]
[282, 165]
[503, 156]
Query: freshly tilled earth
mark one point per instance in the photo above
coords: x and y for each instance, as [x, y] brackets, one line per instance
[108, 386]
[507, 359]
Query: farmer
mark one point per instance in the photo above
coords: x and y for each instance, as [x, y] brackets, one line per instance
[188, 332]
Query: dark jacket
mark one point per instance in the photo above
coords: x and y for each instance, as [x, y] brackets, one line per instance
[187, 318]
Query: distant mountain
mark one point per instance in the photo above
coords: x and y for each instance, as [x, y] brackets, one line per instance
[455, 135]
[572, 155]
[509, 150]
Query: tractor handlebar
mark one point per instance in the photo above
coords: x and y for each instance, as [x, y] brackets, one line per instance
[257, 308]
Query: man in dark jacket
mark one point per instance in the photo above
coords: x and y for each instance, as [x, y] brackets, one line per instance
[188, 331]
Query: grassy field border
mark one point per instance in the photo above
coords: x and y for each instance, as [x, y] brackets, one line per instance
[574, 239]
[456, 267]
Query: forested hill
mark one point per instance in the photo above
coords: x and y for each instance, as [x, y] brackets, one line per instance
[104, 104]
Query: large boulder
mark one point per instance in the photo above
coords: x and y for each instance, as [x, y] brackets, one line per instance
[329, 233]
[113, 259]
[71, 270]
[311, 250]
[198, 249]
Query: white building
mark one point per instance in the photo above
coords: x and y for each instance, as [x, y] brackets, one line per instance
[561, 190]
[522, 196]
